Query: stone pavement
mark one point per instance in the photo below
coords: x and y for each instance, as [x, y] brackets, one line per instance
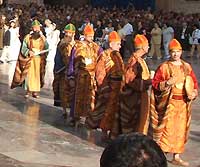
[34, 134]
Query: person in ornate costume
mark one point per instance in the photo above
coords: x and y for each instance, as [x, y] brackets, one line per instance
[134, 100]
[61, 88]
[30, 67]
[109, 75]
[82, 72]
[174, 87]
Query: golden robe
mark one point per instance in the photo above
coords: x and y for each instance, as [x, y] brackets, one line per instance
[109, 75]
[30, 71]
[86, 55]
[170, 114]
[134, 100]
[61, 88]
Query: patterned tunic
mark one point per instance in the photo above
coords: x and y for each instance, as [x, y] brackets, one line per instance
[84, 64]
[134, 99]
[109, 74]
[63, 92]
[170, 108]
[30, 71]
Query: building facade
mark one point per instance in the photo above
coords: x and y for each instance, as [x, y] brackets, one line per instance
[40, 2]
[186, 6]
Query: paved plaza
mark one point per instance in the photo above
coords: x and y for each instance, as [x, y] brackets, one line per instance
[33, 132]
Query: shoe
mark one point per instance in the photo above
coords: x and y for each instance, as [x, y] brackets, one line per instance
[27, 94]
[35, 95]
[149, 57]
[82, 120]
[72, 122]
[179, 162]
[64, 115]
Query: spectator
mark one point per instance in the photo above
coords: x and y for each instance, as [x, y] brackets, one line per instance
[15, 43]
[183, 34]
[99, 30]
[156, 36]
[195, 40]
[6, 44]
[128, 46]
[133, 150]
[168, 34]
[140, 29]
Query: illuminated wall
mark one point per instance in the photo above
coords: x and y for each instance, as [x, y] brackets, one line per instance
[186, 6]
[25, 1]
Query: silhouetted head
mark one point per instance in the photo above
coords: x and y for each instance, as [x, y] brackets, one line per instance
[133, 150]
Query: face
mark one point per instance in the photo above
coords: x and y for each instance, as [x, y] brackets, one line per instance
[115, 45]
[184, 24]
[146, 48]
[164, 26]
[69, 36]
[89, 38]
[139, 24]
[12, 24]
[6, 27]
[176, 55]
[3, 17]
[156, 25]
[36, 28]
[98, 22]
[36, 32]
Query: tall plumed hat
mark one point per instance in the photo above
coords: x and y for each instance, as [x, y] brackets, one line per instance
[70, 28]
[114, 37]
[140, 41]
[88, 30]
[174, 45]
[35, 23]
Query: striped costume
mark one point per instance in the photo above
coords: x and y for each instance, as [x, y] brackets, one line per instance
[62, 91]
[170, 114]
[84, 64]
[29, 72]
[109, 74]
[134, 100]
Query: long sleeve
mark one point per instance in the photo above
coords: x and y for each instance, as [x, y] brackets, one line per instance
[158, 79]
[25, 49]
[58, 62]
[71, 69]
[6, 39]
[162, 74]
[192, 74]
[46, 45]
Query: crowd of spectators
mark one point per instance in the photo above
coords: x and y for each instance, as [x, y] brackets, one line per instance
[103, 19]
[155, 25]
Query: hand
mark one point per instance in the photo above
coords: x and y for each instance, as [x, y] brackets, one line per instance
[41, 33]
[31, 53]
[171, 81]
[71, 82]
[193, 95]
[147, 82]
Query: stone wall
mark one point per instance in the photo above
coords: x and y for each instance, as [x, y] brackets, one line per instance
[191, 6]
[39, 2]
[68, 2]
[186, 6]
